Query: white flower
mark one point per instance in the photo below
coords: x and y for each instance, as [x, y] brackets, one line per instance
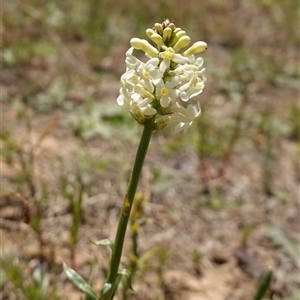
[138, 106]
[133, 83]
[170, 55]
[134, 97]
[191, 89]
[131, 61]
[153, 88]
[165, 91]
[128, 87]
[123, 101]
[185, 116]
[150, 73]
[143, 104]
[191, 78]
[194, 64]
[129, 79]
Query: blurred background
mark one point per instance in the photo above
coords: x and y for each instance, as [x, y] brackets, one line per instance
[216, 208]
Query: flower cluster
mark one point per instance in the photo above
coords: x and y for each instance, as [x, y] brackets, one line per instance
[169, 78]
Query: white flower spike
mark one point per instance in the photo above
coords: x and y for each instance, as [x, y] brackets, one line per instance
[155, 87]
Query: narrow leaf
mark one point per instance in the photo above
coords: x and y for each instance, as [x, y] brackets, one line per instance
[78, 281]
[127, 274]
[106, 292]
[115, 286]
[264, 285]
[283, 242]
[109, 289]
[105, 242]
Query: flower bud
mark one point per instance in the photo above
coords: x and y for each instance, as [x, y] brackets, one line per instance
[195, 48]
[167, 34]
[149, 32]
[182, 42]
[165, 23]
[177, 36]
[161, 123]
[159, 29]
[172, 26]
[146, 94]
[141, 44]
[177, 29]
[157, 39]
[137, 114]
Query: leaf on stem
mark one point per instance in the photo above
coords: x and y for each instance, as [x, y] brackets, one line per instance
[109, 289]
[78, 281]
[105, 242]
[106, 291]
[127, 274]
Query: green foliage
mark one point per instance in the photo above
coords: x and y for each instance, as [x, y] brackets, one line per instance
[197, 256]
[105, 242]
[74, 193]
[79, 282]
[54, 97]
[34, 286]
[246, 232]
[89, 124]
[264, 285]
[109, 290]
[213, 199]
[10, 147]
[283, 242]
[267, 127]
[91, 120]
[27, 184]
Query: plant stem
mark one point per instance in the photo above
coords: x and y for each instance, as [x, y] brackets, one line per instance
[128, 200]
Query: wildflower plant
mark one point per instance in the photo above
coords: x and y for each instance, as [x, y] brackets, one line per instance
[155, 92]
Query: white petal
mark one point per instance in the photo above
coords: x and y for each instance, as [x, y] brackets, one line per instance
[149, 111]
[164, 101]
[152, 62]
[165, 64]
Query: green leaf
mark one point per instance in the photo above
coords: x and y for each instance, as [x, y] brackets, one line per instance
[127, 274]
[105, 242]
[106, 292]
[283, 242]
[264, 285]
[109, 289]
[115, 286]
[78, 281]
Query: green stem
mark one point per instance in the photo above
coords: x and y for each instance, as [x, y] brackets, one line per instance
[128, 200]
